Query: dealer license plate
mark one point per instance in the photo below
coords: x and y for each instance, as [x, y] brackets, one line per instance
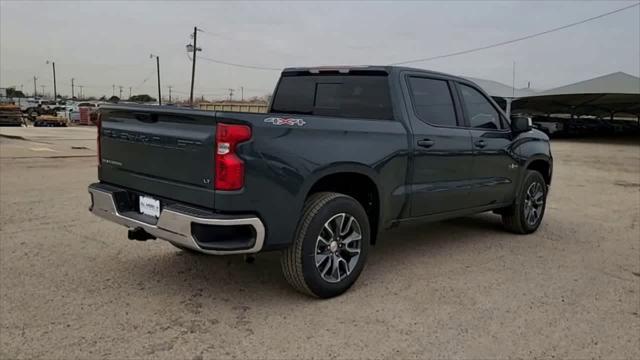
[149, 206]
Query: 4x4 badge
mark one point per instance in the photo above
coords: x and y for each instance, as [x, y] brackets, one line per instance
[284, 121]
[513, 166]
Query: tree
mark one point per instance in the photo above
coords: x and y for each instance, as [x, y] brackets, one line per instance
[142, 98]
[114, 99]
[12, 92]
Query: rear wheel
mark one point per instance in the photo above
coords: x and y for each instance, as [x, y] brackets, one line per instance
[330, 246]
[526, 214]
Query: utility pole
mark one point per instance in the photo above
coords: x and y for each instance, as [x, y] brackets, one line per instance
[230, 94]
[55, 93]
[72, 93]
[170, 92]
[242, 92]
[120, 97]
[42, 86]
[158, 66]
[81, 95]
[129, 92]
[194, 49]
[113, 90]
[35, 87]
[159, 91]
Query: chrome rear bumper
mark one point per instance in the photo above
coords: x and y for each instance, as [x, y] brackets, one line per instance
[173, 224]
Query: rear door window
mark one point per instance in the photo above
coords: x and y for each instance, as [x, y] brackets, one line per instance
[348, 96]
[432, 101]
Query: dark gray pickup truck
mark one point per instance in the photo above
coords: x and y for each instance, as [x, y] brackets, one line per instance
[344, 154]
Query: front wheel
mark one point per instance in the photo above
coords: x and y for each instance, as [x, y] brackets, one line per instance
[525, 216]
[330, 246]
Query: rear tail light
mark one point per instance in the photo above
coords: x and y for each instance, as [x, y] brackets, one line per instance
[229, 167]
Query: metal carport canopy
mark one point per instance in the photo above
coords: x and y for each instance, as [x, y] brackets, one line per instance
[616, 93]
[499, 90]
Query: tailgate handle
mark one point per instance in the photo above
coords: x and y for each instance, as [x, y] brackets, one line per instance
[146, 117]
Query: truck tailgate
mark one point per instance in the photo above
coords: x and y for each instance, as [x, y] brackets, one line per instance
[161, 151]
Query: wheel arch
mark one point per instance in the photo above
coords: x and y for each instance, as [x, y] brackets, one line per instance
[355, 181]
[543, 165]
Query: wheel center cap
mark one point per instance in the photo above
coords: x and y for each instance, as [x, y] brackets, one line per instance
[333, 246]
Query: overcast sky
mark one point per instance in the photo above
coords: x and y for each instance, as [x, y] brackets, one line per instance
[105, 43]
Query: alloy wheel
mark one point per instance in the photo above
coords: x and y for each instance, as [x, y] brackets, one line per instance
[338, 247]
[534, 203]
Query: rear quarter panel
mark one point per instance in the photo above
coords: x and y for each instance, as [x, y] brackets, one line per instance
[284, 161]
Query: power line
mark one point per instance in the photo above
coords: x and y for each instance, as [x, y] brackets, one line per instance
[517, 39]
[255, 67]
[145, 80]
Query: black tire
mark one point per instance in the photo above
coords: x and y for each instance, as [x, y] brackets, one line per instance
[515, 218]
[299, 260]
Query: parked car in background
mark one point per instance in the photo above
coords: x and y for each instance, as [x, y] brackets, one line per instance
[548, 125]
[74, 115]
[36, 107]
[30, 107]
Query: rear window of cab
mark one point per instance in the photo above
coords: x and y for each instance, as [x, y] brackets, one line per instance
[344, 95]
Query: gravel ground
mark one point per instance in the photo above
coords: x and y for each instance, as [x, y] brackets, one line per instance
[72, 286]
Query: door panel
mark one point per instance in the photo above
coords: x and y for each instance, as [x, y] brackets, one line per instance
[442, 153]
[442, 171]
[494, 168]
[494, 165]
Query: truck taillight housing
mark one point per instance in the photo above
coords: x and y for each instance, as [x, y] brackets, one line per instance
[229, 167]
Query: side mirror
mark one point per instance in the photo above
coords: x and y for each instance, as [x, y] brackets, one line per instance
[521, 123]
